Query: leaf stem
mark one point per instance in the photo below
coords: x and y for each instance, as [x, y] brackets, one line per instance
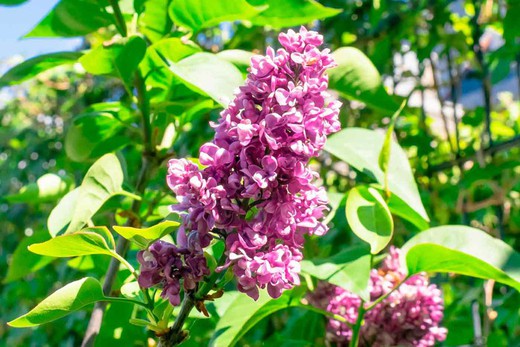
[383, 297]
[118, 15]
[354, 341]
[175, 335]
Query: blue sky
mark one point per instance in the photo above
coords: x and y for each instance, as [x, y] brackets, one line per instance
[19, 20]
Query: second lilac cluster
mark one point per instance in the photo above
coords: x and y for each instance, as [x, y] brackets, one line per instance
[166, 264]
[409, 316]
[256, 190]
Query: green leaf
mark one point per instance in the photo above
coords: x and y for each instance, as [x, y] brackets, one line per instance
[360, 149]
[61, 215]
[288, 13]
[154, 21]
[207, 74]
[244, 313]
[144, 237]
[71, 18]
[12, 2]
[103, 180]
[34, 66]
[462, 250]
[119, 58]
[357, 78]
[93, 134]
[240, 58]
[49, 187]
[369, 217]
[68, 299]
[198, 14]
[85, 242]
[24, 262]
[349, 269]
[160, 55]
[384, 155]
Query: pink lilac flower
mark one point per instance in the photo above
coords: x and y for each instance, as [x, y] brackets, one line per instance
[409, 316]
[256, 189]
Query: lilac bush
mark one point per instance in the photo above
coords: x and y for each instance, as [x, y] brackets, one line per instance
[256, 190]
[409, 316]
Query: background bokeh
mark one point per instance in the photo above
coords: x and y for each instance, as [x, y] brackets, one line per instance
[458, 62]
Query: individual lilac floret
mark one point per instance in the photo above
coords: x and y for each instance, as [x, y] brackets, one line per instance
[256, 189]
[166, 264]
[409, 316]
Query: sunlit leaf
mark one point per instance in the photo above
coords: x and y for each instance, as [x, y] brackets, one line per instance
[49, 187]
[85, 242]
[68, 299]
[462, 250]
[103, 180]
[145, 236]
[71, 18]
[357, 78]
[244, 313]
[288, 13]
[207, 74]
[34, 66]
[199, 14]
[360, 148]
[349, 269]
[154, 20]
[119, 58]
[369, 217]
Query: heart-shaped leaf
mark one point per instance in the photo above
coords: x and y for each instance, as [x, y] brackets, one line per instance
[369, 217]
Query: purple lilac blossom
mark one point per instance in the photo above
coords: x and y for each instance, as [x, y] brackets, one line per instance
[409, 316]
[166, 264]
[256, 189]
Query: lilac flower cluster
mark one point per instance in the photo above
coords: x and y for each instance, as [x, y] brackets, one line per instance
[256, 190]
[167, 264]
[409, 316]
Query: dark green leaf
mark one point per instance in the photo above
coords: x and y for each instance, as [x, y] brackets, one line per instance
[144, 237]
[462, 250]
[34, 66]
[24, 262]
[198, 14]
[356, 77]
[49, 187]
[71, 18]
[360, 149]
[349, 269]
[369, 217]
[93, 134]
[119, 58]
[68, 299]
[282, 14]
[12, 2]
